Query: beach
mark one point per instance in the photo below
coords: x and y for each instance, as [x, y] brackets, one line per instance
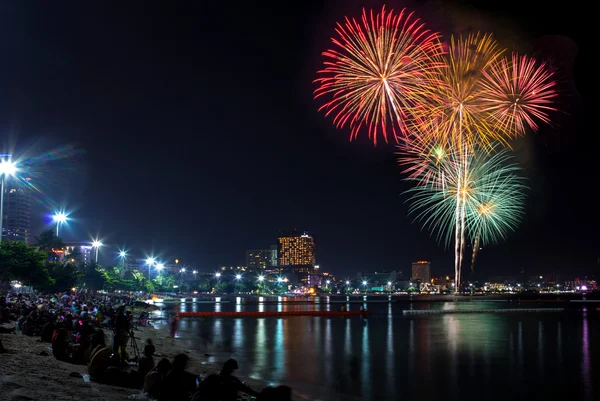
[27, 374]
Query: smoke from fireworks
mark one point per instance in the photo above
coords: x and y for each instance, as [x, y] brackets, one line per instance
[380, 68]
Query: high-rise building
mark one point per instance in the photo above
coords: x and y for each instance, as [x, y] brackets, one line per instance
[274, 255]
[257, 259]
[421, 271]
[85, 251]
[16, 225]
[296, 251]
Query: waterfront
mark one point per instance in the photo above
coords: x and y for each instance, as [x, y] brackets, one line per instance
[393, 356]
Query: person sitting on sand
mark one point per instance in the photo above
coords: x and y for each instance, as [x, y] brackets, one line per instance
[99, 363]
[60, 346]
[145, 364]
[224, 386]
[153, 381]
[179, 385]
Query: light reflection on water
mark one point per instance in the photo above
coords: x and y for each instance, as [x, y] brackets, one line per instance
[390, 356]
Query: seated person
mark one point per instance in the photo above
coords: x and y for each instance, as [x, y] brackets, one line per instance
[224, 386]
[145, 364]
[153, 381]
[60, 347]
[179, 385]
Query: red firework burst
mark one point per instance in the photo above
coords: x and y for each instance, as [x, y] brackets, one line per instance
[380, 69]
[518, 91]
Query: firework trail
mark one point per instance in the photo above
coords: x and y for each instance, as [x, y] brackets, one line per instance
[379, 71]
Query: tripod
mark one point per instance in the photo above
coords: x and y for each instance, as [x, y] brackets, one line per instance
[134, 346]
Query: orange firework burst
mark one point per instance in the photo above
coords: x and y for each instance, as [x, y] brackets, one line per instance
[381, 68]
[518, 91]
[461, 107]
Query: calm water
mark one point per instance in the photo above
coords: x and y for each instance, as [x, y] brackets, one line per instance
[393, 356]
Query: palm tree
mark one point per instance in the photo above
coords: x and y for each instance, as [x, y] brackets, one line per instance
[47, 242]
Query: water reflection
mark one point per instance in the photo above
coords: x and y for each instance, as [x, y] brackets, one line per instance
[392, 356]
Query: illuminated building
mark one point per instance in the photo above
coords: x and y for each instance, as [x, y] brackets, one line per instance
[296, 251]
[260, 259]
[421, 271]
[17, 212]
[84, 249]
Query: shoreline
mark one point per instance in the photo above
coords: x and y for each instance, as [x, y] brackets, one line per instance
[27, 375]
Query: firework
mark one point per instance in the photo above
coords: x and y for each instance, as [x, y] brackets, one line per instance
[379, 70]
[459, 106]
[491, 195]
[518, 91]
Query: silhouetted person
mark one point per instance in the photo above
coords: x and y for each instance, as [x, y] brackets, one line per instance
[146, 363]
[154, 381]
[224, 386]
[179, 385]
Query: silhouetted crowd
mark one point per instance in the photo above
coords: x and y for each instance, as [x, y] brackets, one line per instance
[75, 325]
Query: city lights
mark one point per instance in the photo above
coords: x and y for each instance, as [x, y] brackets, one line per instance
[279, 280]
[238, 276]
[182, 270]
[261, 278]
[364, 283]
[217, 275]
[160, 266]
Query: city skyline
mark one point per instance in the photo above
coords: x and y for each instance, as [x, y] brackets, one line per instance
[192, 204]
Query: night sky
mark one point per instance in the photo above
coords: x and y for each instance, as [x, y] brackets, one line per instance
[189, 131]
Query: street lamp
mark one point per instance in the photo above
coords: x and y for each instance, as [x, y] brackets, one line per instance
[59, 218]
[217, 275]
[182, 270]
[7, 169]
[150, 262]
[96, 244]
[122, 256]
[261, 278]
[194, 272]
[238, 276]
[160, 266]
[279, 280]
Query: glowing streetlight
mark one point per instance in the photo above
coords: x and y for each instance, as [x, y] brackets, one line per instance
[389, 283]
[7, 169]
[182, 270]
[364, 283]
[261, 278]
[97, 244]
[238, 276]
[217, 275]
[160, 266]
[279, 279]
[59, 218]
[194, 272]
[150, 262]
[122, 256]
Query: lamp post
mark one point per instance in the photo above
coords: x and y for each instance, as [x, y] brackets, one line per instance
[150, 262]
[7, 169]
[194, 272]
[59, 218]
[96, 244]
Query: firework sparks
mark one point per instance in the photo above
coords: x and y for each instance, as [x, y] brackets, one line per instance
[381, 68]
[492, 197]
[518, 91]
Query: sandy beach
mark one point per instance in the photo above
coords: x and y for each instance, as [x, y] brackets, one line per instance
[25, 374]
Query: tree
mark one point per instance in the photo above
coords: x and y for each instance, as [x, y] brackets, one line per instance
[21, 262]
[47, 242]
[204, 285]
[65, 275]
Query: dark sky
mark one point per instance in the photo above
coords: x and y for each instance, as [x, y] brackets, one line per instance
[188, 129]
